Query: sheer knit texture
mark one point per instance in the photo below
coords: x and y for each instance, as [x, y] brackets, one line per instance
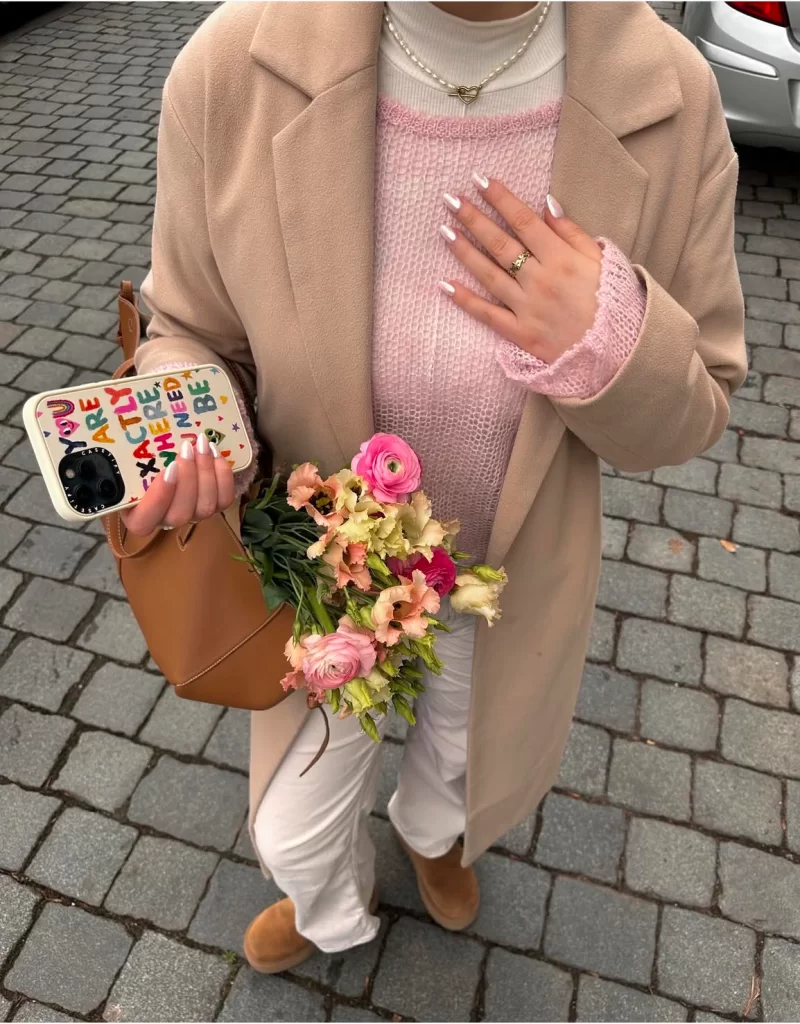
[448, 384]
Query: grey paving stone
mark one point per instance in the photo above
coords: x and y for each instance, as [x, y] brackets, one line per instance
[780, 989]
[48, 551]
[758, 418]
[629, 499]
[162, 980]
[392, 755]
[760, 526]
[670, 862]
[270, 998]
[782, 391]
[743, 670]
[649, 779]
[162, 882]
[352, 1015]
[42, 375]
[697, 513]
[100, 573]
[600, 1000]
[118, 698]
[792, 815]
[597, 929]
[115, 633]
[70, 958]
[10, 480]
[697, 475]
[766, 453]
[513, 898]
[180, 725]
[36, 1013]
[704, 960]
[244, 847]
[760, 738]
[759, 889]
[784, 576]
[607, 698]
[5, 1007]
[664, 549]
[32, 502]
[24, 816]
[737, 802]
[237, 893]
[16, 913]
[707, 606]
[615, 537]
[49, 609]
[82, 854]
[41, 673]
[630, 588]
[103, 769]
[11, 533]
[654, 648]
[586, 839]
[520, 989]
[348, 973]
[744, 567]
[30, 743]
[601, 639]
[585, 762]
[679, 717]
[774, 622]
[439, 955]
[9, 585]
[398, 883]
[199, 803]
[230, 741]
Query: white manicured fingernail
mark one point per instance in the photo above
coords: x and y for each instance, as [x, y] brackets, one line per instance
[447, 287]
[214, 450]
[187, 451]
[554, 206]
[452, 201]
[202, 444]
[480, 180]
[448, 233]
[171, 472]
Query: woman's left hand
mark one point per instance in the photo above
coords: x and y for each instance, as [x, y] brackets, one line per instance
[551, 302]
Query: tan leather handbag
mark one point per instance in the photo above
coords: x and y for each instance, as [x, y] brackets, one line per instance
[201, 611]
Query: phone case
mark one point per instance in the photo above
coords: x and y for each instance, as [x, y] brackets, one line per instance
[109, 441]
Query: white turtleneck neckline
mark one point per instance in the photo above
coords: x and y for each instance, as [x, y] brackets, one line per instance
[464, 52]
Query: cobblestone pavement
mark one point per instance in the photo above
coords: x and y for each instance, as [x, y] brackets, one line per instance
[659, 881]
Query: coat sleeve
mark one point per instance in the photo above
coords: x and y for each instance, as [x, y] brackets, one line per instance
[669, 401]
[193, 317]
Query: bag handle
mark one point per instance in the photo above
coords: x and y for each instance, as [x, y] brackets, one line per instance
[130, 322]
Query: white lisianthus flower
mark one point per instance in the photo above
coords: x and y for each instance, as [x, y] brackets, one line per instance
[475, 596]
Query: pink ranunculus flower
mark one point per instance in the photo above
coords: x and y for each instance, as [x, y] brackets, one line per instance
[306, 489]
[389, 467]
[333, 659]
[440, 571]
[400, 610]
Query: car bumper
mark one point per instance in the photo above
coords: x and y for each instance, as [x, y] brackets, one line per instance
[757, 66]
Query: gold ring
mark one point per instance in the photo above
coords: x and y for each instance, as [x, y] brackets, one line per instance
[512, 270]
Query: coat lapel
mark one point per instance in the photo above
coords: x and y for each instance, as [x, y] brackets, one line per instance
[620, 79]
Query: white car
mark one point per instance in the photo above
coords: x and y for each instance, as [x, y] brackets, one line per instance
[754, 50]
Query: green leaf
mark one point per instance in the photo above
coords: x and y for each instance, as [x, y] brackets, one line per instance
[403, 708]
[335, 700]
[368, 725]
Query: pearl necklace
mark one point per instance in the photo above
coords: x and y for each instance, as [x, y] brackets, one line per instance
[467, 93]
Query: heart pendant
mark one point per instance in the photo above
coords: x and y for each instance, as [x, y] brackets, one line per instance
[467, 93]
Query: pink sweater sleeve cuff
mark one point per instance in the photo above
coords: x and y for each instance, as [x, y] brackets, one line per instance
[244, 477]
[588, 366]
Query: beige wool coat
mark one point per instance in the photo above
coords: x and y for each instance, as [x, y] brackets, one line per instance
[263, 254]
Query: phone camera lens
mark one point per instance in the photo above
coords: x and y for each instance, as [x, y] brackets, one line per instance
[88, 470]
[84, 496]
[106, 489]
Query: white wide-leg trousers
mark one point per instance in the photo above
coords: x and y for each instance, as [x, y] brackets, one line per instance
[311, 832]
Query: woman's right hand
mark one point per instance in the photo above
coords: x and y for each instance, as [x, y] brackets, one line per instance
[196, 485]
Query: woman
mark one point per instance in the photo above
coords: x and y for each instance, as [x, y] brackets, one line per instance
[520, 271]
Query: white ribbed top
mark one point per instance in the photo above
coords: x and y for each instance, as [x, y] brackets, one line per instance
[464, 52]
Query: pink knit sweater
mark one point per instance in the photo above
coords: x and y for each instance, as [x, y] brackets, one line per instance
[448, 384]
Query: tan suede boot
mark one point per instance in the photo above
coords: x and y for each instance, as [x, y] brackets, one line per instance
[449, 891]
[273, 944]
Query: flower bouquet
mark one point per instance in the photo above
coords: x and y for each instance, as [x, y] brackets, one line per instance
[364, 564]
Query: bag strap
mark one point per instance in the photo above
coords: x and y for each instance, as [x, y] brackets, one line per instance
[130, 321]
